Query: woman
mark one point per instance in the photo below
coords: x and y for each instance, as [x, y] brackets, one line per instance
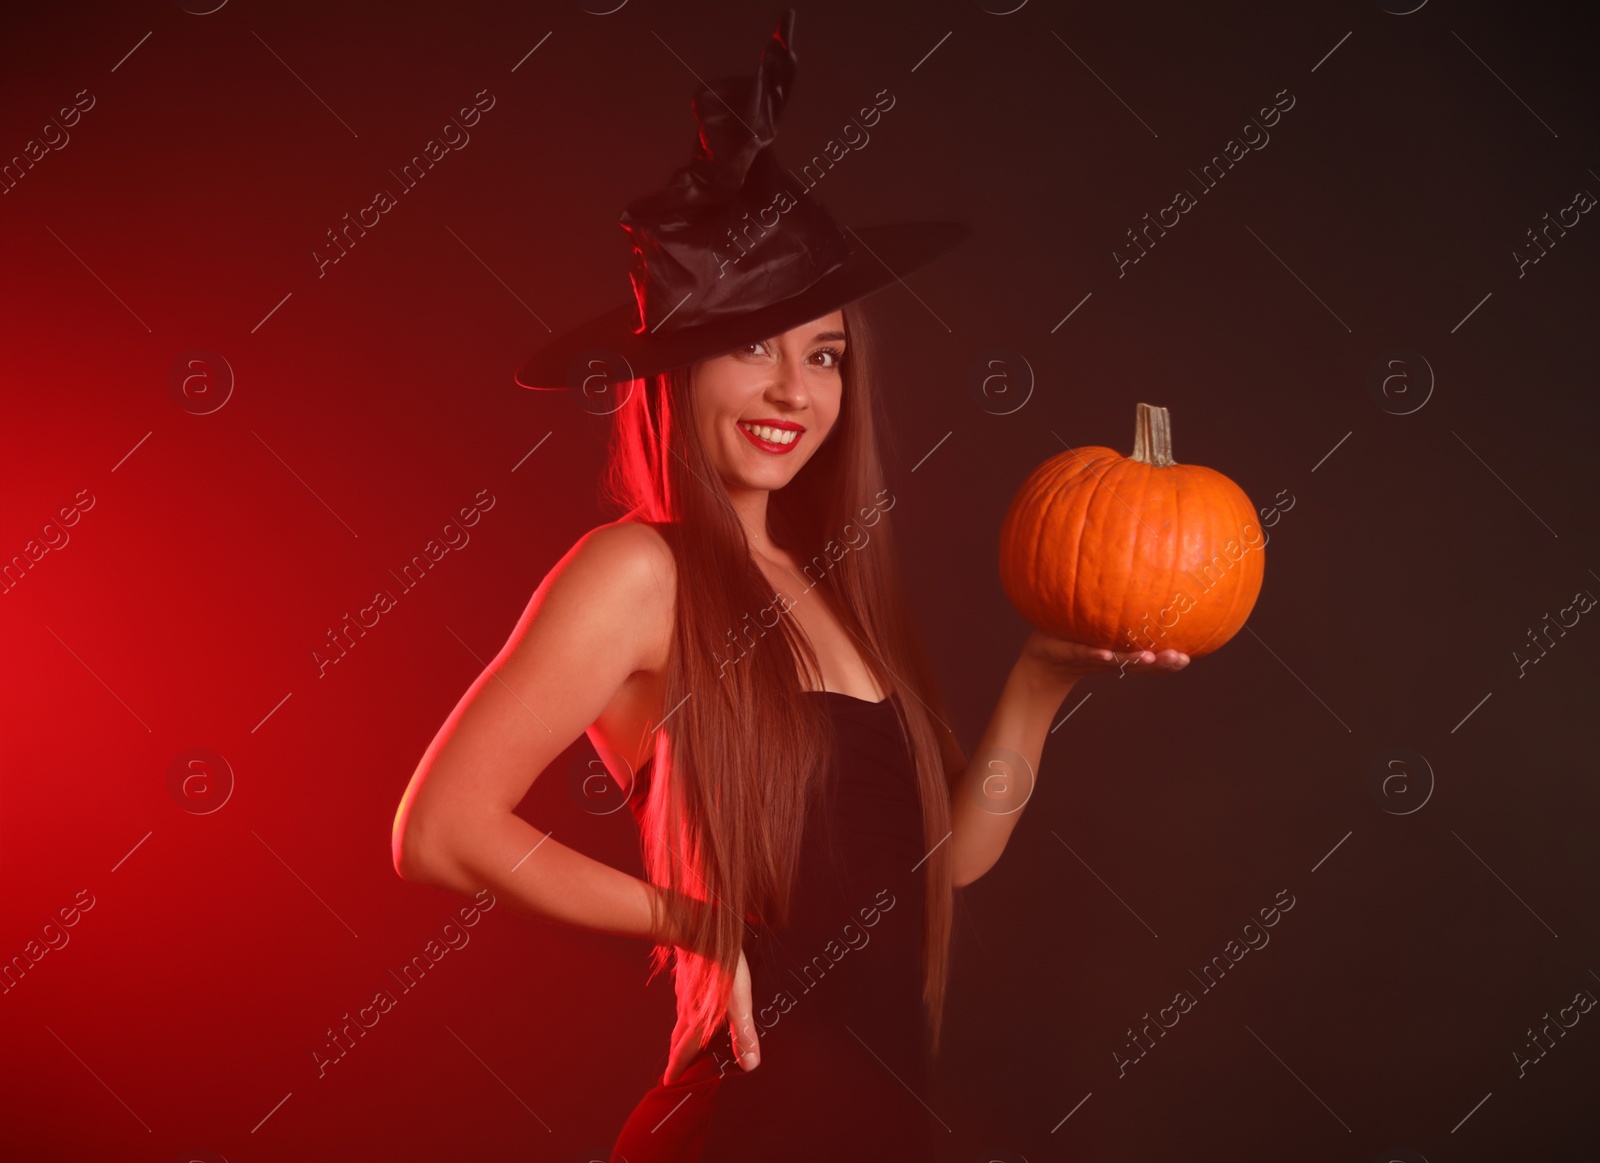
[739, 650]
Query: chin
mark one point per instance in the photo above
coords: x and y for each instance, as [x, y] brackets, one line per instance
[771, 481]
[773, 474]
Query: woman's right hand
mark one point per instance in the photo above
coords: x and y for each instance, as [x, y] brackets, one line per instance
[741, 1028]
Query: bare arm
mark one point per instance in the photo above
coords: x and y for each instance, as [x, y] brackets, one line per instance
[989, 797]
[604, 612]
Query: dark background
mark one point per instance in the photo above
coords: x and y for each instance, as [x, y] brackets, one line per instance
[1430, 530]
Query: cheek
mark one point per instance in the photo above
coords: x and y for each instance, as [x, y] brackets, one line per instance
[832, 413]
[711, 407]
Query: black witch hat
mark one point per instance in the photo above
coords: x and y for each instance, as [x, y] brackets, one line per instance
[731, 250]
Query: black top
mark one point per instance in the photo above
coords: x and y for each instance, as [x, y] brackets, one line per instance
[837, 992]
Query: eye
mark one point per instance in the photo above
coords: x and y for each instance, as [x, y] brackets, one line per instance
[833, 355]
[752, 348]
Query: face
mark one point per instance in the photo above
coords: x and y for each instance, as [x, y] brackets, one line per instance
[788, 387]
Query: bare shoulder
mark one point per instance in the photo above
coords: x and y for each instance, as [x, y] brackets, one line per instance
[624, 570]
[637, 553]
[629, 544]
[624, 573]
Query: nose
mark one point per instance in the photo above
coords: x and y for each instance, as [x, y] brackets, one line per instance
[789, 382]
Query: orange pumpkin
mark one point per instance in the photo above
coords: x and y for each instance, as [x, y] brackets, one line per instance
[1133, 553]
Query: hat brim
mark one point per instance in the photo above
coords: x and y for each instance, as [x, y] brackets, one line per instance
[606, 349]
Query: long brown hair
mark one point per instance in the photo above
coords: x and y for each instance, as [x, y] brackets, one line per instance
[740, 751]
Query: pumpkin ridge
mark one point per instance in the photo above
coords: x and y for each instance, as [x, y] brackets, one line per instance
[1109, 528]
[1179, 549]
[1236, 590]
[1201, 647]
[1152, 488]
[1075, 520]
[1034, 546]
[1260, 564]
[1109, 517]
[1064, 524]
[1083, 553]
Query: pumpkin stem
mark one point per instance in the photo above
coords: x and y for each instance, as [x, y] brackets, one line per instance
[1152, 437]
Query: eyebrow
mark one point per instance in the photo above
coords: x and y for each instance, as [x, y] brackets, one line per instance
[821, 335]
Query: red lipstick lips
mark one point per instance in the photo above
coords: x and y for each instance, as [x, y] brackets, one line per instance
[772, 446]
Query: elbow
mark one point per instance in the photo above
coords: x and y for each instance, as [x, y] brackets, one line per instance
[968, 862]
[436, 853]
[416, 858]
[409, 863]
[424, 864]
[960, 876]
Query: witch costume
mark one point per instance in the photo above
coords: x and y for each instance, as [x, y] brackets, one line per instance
[732, 251]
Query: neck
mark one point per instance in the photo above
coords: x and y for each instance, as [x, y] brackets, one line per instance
[751, 507]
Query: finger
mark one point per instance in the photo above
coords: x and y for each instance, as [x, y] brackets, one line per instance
[674, 1068]
[1166, 662]
[1092, 655]
[746, 1045]
[684, 1048]
[1085, 658]
[745, 1041]
[741, 1023]
[1137, 658]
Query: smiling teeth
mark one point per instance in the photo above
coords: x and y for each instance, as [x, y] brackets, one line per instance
[771, 435]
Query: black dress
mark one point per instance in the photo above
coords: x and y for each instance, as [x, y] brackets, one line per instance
[837, 992]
